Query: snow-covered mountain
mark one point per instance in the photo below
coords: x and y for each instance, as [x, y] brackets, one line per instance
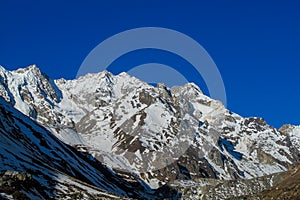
[160, 134]
[37, 165]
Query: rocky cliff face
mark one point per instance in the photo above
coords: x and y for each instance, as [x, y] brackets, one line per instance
[161, 134]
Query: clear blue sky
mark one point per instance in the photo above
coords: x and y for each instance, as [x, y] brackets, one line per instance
[255, 44]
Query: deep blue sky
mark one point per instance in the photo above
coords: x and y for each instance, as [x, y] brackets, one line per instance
[255, 44]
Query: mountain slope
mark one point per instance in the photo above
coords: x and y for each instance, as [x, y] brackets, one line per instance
[35, 164]
[288, 188]
[150, 126]
[162, 134]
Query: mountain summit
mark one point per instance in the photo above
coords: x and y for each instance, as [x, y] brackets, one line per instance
[162, 136]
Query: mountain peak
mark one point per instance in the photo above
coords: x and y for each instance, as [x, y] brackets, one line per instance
[31, 68]
[105, 74]
[3, 72]
[2, 68]
[193, 86]
[97, 75]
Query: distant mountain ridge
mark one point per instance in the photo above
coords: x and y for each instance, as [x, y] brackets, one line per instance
[159, 134]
